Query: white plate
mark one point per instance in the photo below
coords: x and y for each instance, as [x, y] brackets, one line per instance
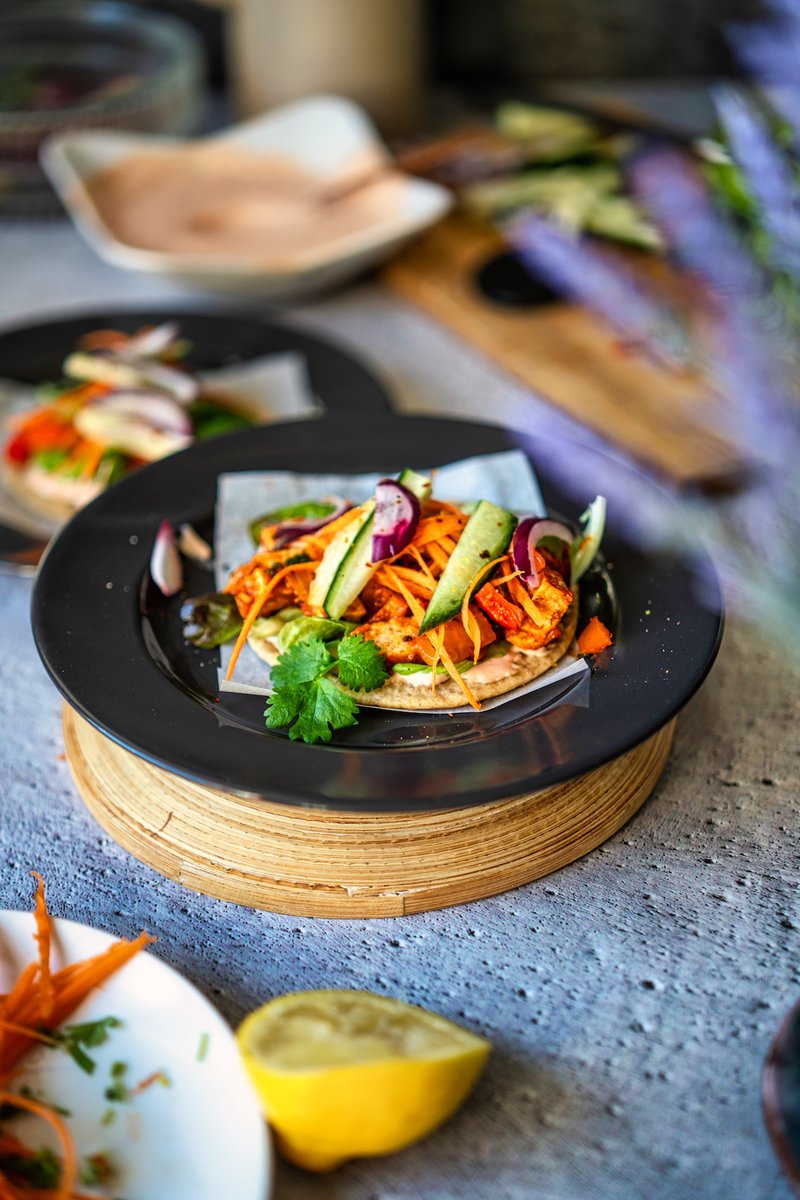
[324, 134]
[202, 1138]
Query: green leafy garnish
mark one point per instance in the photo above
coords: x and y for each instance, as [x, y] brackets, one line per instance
[50, 460]
[118, 1091]
[361, 666]
[309, 702]
[303, 627]
[76, 1039]
[210, 620]
[40, 1170]
[210, 419]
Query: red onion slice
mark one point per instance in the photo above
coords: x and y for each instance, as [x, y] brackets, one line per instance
[149, 343]
[287, 531]
[397, 513]
[526, 538]
[150, 407]
[142, 424]
[166, 569]
[182, 386]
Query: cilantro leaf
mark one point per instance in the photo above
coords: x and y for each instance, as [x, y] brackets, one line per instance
[311, 710]
[283, 706]
[310, 704]
[361, 664]
[303, 662]
[324, 708]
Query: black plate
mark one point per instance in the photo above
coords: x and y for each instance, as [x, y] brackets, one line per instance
[35, 353]
[118, 657]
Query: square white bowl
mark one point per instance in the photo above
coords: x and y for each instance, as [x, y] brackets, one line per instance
[323, 134]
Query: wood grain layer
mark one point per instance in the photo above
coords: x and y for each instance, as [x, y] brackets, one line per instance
[309, 862]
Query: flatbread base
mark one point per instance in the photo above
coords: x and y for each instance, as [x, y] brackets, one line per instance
[397, 692]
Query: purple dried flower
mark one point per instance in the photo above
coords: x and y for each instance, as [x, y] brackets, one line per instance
[768, 175]
[770, 50]
[737, 350]
[598, 280]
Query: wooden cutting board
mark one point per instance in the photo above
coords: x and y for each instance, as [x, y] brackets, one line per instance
[664, 419]
[314, 863]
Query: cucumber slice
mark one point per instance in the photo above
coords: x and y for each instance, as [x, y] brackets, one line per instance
[419, 485]
[339, 564]
[355, 570]
[486, 535]
[347, 565]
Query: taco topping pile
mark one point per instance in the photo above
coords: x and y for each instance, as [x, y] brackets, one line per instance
[125, 400]
[376, 600]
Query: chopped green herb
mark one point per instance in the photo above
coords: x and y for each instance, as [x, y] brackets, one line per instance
[310, 703]
[361, 665]
[109, 1117]
[75, 1038]
[210, 620]
[118, 1091]
[50, 460]
[210, 419]
[202, 1048]
[40, 1170]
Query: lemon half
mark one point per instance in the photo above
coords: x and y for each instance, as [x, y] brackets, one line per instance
[344, 1074]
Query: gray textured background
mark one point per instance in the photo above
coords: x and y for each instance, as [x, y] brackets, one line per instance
[631, 998]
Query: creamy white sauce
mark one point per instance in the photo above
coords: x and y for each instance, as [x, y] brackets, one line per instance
[488, 671]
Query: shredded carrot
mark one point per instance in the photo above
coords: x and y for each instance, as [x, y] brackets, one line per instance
[94, 453]
[431, 529]
[594, 638]
[69, 1158]
[19, 991]
[28, 1031]
[437, 643]
[71, 985]
[423, 566]
[443, 506]
[397, 585]
[325, 535]
[44, 934]
[417, 581]
[259, 600]
[438, 555]
[522, 597]
[247, 625]
[148, 1081]
[471, 627]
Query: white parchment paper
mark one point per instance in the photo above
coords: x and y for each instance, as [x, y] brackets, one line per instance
[506, 479]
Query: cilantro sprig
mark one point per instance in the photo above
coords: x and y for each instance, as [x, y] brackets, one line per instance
[305, 697]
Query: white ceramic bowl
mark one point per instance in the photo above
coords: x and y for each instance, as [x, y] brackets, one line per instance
[324, 134]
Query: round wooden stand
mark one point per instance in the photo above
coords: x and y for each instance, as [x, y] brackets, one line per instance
[313, 863]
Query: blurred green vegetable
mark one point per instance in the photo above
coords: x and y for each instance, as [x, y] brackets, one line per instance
[211, 620]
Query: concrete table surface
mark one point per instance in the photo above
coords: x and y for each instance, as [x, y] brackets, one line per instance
[631, 997]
